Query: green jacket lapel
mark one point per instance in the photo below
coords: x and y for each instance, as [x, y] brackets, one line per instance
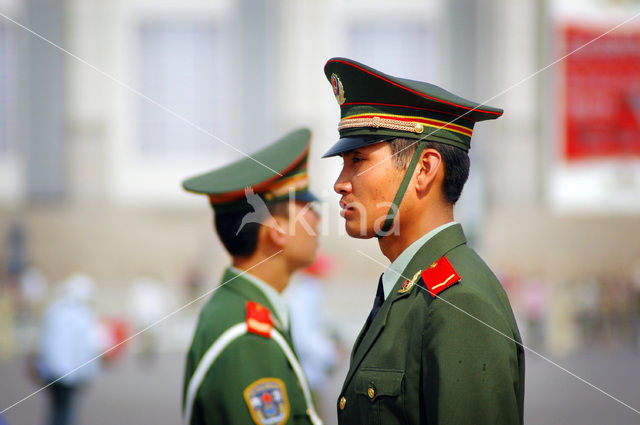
[368, 336]
[366, 339]
[358, 341]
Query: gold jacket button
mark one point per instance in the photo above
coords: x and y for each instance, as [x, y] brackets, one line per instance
[371, 392]
[343, 403]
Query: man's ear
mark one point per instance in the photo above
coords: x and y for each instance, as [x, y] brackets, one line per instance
[274, 231]
[429, 163]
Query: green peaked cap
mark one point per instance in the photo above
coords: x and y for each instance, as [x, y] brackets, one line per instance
[375, 106]
[271, 173]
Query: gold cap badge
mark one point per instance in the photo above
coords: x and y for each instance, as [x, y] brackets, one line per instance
[338, 90]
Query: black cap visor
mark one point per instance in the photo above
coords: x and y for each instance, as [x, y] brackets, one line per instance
[306, 196]
[346, 144]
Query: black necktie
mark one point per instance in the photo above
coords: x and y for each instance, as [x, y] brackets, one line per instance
[377, 302]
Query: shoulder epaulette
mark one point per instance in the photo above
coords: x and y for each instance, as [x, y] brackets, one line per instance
[259, 319]
[439, 276]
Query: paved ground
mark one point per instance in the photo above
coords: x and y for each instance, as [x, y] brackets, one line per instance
[130, 394]
[552, 396]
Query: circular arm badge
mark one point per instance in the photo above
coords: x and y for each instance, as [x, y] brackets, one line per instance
[267, 401]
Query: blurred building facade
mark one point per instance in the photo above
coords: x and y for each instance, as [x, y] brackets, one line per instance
[101, 121]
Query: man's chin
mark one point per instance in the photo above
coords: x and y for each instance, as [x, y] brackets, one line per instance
[356, 231]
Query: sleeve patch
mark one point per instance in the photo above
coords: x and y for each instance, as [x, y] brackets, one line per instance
[439, 276]
[267, 401]
[259, 319]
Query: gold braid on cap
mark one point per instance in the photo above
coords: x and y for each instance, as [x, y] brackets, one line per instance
[377, 122]
[294, 183]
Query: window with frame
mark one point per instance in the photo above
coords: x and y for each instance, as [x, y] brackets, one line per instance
[182, 66]
[7, 99]
[404, 49]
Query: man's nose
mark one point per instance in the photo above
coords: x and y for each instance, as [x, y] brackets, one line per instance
[342, 186]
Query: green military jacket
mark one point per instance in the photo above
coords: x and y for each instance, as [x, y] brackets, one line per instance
[455, 358]
[241, 368]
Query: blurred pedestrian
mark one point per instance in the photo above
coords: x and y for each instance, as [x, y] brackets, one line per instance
[15, 264]
[17, 261]
[69, 343]
[148, 301]
[315, 341]
[635, 288]
[441, 344]
[534, 300]
[6, 326]
[33, 289]
[241, 367]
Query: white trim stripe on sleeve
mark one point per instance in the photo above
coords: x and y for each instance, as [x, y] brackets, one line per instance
[205, 364]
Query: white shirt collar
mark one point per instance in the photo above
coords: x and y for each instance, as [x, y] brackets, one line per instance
[395, 269]
[277, 301]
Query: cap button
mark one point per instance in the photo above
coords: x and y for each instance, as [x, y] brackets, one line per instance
[375, 121]
[371, 392]
[343, 403]
[419, 128]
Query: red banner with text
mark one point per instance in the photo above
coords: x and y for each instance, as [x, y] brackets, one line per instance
[602, 93]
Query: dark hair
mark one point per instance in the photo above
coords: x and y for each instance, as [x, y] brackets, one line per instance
[456, 164]
[244, 242]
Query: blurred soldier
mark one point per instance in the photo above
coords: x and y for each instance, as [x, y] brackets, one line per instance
[441, 345]
[241, 367]
[69, 340]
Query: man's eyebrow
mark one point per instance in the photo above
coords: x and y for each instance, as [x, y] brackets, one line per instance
[350, 153]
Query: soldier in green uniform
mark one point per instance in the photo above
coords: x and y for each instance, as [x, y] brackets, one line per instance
[241, 367]
[441, 345]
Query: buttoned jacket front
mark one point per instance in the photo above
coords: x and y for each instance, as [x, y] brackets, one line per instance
[455, 358]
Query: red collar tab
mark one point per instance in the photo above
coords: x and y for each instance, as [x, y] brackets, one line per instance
[439, 276]
[259, 319]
